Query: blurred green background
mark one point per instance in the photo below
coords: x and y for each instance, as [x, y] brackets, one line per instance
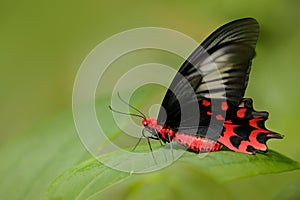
[43, 43]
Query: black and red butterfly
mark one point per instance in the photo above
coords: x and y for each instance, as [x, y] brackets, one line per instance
[218, 72]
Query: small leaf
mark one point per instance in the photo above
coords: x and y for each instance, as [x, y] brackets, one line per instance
[218, 166]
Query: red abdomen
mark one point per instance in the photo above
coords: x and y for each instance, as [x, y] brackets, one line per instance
[191, 142]
[197, 143]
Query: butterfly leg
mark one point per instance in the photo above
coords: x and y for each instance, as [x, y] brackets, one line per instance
[171, 146]
[149, 143]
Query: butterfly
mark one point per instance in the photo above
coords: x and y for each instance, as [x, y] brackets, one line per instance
[204, 108]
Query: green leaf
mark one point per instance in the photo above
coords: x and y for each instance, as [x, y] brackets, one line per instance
[31, 163]
[215, 167]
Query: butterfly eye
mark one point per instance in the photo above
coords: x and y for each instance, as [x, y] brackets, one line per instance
[145, 123]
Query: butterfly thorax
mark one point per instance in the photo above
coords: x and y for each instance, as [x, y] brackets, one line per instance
[165, 134]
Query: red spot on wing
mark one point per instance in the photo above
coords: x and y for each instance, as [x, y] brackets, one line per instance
[220, 117]
[208, 113]
[241, 112]
[254, 123]
[225, 137]
[224, 105]
[205, 102]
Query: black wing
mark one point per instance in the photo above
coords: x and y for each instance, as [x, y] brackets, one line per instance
[218, 69]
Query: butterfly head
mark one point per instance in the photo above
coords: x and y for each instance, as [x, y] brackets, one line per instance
[145, 122]
[150, 124]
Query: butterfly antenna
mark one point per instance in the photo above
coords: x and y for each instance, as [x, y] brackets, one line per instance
[130, 114]
[134, 108]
